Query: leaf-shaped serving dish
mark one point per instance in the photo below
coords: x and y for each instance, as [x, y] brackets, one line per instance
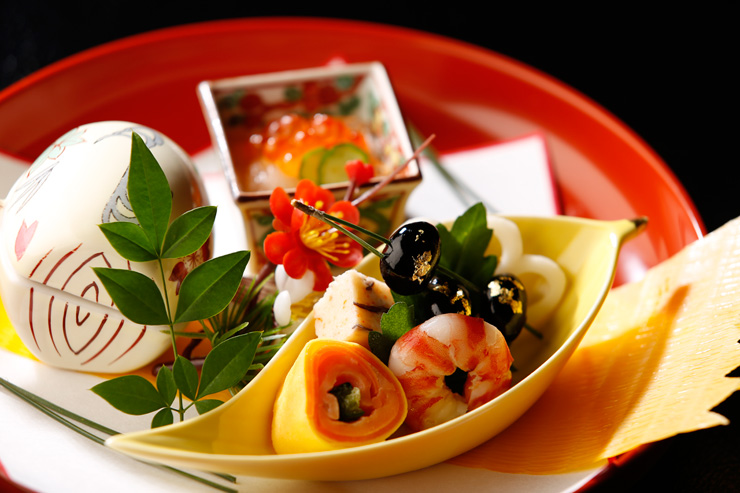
[235, 437]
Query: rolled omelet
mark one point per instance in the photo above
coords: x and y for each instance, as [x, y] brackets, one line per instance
[351, 307]
[337, 395]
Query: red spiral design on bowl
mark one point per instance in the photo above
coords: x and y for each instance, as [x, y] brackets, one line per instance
[68, 327]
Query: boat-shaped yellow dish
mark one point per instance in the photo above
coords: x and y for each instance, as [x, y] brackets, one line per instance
[235, 437]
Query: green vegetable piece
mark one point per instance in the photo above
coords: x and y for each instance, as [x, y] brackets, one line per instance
[331, 168]
[380, 346]
[348, 398]
[310, 164]
[136, 296]
[394, 323]
[398, 320]
[131, 394]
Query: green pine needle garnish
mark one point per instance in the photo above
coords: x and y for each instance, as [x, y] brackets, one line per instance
[66, 418]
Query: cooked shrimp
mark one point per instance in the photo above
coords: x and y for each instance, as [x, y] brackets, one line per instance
[425, 355]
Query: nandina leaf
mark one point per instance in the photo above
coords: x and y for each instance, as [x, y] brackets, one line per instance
[188, 232]
[208, 288]
[166, 385]
[129, 240]
[131, 394]
[186, 377]
[149, 192]
[205, 405]
[137, 297]
[163, 418]
[228, 362]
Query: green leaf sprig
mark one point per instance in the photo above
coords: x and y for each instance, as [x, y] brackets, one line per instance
[205, 292]
[465, 246]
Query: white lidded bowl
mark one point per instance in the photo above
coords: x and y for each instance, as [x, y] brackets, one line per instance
[50, 241]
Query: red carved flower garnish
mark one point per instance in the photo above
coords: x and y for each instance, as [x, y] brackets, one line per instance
[302, 243]
[359, 172]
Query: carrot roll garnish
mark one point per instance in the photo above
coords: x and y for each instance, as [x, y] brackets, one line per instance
[336, 395]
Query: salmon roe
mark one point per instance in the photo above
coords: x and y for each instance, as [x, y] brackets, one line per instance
[288, 138]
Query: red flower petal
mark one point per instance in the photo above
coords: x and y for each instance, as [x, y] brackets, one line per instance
[321, 270]
[350, 259]
[314, 195]
[295, 262]
[278, 244]
[346, 211]
[281, 209]
[358, 171]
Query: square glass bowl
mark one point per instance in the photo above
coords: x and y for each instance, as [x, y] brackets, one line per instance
[274, 129]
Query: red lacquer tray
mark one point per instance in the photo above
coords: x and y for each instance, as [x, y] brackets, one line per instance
[465, 95]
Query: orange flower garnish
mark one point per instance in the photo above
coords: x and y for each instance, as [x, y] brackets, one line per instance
[303, 243]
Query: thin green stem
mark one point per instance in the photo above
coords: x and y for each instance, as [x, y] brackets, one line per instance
[331, 220]
[60, 414]
[534, 331]
[465, 194]
[337, 222]
[167, 306]
[457, 277]
[171, 325]
[40, 401]
[52, 414]
[192, 335]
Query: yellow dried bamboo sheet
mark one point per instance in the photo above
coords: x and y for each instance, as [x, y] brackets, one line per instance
[652, 365]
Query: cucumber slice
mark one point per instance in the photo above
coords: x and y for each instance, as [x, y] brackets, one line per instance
[310, 164]
[331, 169]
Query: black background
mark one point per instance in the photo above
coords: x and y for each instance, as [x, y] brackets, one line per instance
[669, 75]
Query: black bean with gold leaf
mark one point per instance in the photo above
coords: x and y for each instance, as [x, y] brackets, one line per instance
[411, 257]
[505, 305]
